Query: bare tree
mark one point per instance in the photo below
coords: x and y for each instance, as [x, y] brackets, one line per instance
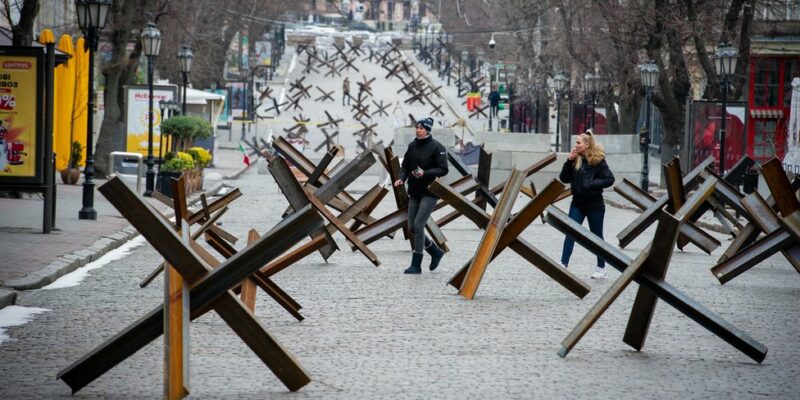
[22, 31]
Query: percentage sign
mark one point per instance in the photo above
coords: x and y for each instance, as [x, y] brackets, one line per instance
[7, 102]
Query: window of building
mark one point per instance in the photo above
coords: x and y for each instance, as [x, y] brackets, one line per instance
[764, 139]
[766, 85]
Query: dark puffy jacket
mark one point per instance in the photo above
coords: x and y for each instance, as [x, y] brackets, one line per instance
[431, 156]
[587, 184]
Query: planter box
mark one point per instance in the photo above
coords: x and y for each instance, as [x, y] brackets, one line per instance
[163, 182]
[193, 181]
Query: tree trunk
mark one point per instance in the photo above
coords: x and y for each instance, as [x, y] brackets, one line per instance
[118, 72]
[23, 30]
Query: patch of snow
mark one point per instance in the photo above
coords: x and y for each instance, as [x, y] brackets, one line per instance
[16, 316]
[74, 278]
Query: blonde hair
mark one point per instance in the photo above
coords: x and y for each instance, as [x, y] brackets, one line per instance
[595, 152]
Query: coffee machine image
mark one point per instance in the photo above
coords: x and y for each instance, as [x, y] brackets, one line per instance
[15, 151]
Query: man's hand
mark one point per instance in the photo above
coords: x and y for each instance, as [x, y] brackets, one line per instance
[398, 182]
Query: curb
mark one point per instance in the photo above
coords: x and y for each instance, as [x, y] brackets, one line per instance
[7, 298]
[67, 263]
[236, 174]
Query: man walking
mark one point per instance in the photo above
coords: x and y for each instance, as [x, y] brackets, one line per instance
[346, 91]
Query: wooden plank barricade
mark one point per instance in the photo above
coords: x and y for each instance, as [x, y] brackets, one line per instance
[209, 289]
[777, 228]
[649, 270]
[507, 236]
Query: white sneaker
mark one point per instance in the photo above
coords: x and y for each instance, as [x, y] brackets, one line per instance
[599, 273]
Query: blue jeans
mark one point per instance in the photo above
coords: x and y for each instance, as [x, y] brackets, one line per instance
[419, 210]
[595, 225]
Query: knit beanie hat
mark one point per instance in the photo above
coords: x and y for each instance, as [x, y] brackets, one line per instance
[426, 123]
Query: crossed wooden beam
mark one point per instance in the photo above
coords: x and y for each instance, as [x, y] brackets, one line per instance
[347, 64]
[689, 232]
[750, 232]
[331, 121]
[208, 290]
[206, 217]
[649, 269]
[299, 90]
[333, 70]
[780, 230]
[342, 201]
[355, 49]
[361, 109]
[381, 108]
[484, 193]
[276, 106]
[502, 231]
[325, 95]
[366, 86]
[479, 112]
[299, 197]
[292, 103]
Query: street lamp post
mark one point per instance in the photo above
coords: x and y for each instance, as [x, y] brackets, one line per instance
[151, 44]
[461, 67]
[185, 57]
[593, 85]
[92, 16]
[449, 63]
[725, 65]
[557, 85]
[649, 75]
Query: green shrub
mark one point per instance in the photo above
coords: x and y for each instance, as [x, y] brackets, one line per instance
[187, 127]
[75, 154]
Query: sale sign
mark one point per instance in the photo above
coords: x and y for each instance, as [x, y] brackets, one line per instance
[19, 117]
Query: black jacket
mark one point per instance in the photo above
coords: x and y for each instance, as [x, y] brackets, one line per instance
[431, 156]
[587, 184]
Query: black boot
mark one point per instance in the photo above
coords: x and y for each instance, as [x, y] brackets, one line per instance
[416, 264]
[436, 255]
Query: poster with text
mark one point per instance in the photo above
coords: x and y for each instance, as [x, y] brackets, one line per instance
[137, 113]
[20, 112]
[238, 99]
[705, 130]
[264, 52]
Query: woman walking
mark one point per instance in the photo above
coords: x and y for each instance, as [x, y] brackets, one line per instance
[588, 174]
[424, 161]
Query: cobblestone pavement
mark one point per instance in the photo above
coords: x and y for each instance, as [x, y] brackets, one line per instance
[375, 333]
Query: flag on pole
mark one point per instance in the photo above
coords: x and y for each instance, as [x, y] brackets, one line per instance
[244, 153]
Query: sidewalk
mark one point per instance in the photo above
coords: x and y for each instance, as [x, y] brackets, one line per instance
[31, 259]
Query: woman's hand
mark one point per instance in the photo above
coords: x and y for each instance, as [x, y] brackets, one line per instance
[572, 155]
[398, 182]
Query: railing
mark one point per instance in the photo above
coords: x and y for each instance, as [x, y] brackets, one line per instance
[139, 169]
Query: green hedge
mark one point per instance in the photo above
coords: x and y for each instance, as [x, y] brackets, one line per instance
[187, 127]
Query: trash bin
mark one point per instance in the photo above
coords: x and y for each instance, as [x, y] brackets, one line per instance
[750, 181]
